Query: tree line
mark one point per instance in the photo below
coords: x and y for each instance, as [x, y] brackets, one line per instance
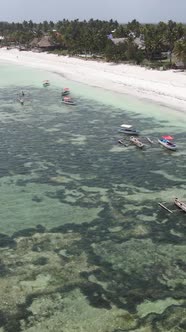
[139, 42]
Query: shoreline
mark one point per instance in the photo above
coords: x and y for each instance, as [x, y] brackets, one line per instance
[163, 87]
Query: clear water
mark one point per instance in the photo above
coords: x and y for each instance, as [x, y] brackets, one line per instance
[84, 244]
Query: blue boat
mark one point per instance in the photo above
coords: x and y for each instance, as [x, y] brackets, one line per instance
[167, 144]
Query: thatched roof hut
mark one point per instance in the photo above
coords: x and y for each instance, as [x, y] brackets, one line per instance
[45, 43]
[34, 42]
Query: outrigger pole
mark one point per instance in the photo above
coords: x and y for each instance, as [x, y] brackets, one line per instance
[164, 207]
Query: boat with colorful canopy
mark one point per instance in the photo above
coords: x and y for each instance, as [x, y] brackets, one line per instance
[46, 83]
[128, 129]
[65, 92]
[165, 141]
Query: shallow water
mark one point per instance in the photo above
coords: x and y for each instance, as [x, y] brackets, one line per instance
[84, 245]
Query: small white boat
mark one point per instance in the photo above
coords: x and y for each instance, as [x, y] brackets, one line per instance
[128, 129]
[68, 101]
[46, 83]
[180, 204]
[167, 143]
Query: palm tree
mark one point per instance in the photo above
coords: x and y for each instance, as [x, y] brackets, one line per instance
[151, 40]
[180, 51]
[174, 32]
[134, 27]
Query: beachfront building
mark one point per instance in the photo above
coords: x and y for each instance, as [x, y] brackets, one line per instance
[44, 43]
[140, 43]
[137, 41]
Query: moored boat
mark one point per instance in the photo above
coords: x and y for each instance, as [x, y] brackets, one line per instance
[68, 101]
[180, 204]
[65, 92]
[21, 101]
[46, 83]
[166, 142]
[128, 129]
[136, 142]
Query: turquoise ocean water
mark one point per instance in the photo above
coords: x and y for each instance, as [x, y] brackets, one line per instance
[84, 244]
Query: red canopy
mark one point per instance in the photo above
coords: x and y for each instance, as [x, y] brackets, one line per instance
[168, 137]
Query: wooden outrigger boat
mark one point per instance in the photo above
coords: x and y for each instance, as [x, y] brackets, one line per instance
[46, 83]
[180, 204]
[128, 129]
[164, 207]
[136, 142]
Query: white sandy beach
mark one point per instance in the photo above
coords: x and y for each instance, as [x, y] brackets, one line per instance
[166, 87]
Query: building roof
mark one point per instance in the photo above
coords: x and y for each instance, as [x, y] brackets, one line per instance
[117, 41]
[45, 41]
[34, 42]
[138, 41]
[42, 42]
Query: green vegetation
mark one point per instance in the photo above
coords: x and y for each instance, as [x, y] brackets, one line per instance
[109, 40]
[180, 51]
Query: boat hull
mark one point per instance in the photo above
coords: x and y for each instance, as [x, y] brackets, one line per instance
[129, 132]
[66, 93]
[136, 142]
[68, 102]
[180, 205]
[167, 146]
